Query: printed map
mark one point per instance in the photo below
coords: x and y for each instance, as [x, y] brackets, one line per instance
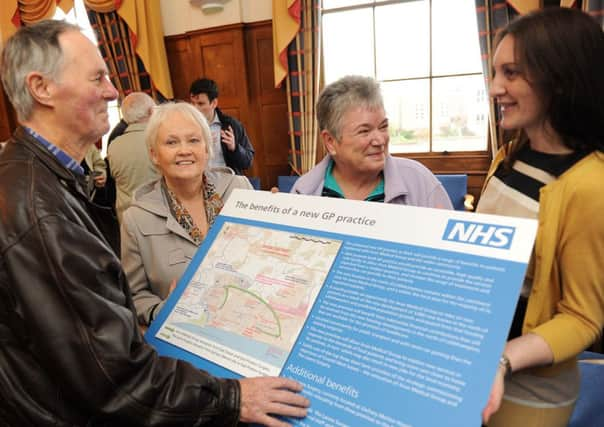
[248, 300]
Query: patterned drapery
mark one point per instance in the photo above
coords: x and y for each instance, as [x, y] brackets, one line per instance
[116, 44]
[286, 24]
[103, 6]
[595, 8]
[144, 26]
[14, 13]
[492, 15]
[303, 82]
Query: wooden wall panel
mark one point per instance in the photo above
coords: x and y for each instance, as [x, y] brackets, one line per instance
[274, 121]
[269, 106]
[219, 61]
[179, 59]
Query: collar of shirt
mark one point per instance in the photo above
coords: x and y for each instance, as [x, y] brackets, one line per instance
[215, 120]
[64, 158]
[331, 188]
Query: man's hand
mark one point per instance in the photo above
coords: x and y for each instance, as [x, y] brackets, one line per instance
[228, 138]
[100, 180]
[266, 396]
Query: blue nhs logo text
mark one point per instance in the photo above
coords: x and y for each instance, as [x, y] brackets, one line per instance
[476, 233]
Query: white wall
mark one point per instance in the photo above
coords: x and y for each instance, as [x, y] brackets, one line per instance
[256, 10]
[180, 16]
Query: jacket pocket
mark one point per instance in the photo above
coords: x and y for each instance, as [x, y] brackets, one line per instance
[177, 256]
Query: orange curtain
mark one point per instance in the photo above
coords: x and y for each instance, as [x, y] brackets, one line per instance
[31, 11]
[103, 6]
[15, 13]
[303, 82]
[143, 18]
[286, 24]
[525, 6]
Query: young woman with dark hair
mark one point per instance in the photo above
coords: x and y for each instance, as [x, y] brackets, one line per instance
[549, 84]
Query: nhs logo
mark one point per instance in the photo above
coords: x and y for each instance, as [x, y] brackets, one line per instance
[476, 233]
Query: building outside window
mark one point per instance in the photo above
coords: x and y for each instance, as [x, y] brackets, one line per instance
[426, 56]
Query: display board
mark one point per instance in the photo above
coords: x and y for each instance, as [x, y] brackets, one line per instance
[389, 315]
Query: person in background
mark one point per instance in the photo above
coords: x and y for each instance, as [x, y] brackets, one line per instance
[95, 169]
[110, 190]
[117, 130]
[127, 155]
[170, 217]
[71, 351]
[354, 131]
[548, 68]
[231, 146]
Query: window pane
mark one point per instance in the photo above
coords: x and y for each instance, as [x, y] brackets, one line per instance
[402, 40]
[455, 46]
[332, 4]
[348, 52]
[407, 106]
[460, 113]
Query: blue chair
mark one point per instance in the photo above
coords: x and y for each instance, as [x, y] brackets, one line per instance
[286, 182]
[456, 186]
[588, 410]
[255, 181]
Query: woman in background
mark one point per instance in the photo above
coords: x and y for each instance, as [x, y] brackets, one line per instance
[549, 85]
[169, 218]
[358, 166]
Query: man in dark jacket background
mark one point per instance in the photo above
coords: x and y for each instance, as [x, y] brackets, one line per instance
[71, 353]
[231, 145]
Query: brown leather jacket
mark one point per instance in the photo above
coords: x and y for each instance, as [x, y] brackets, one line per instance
[70, 350]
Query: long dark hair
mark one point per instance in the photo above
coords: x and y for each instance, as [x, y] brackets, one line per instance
[561, 51]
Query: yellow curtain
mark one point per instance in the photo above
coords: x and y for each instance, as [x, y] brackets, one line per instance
[525, 6]
[102, 6]
[285, 28]
[143, 17]
[32, 11]
[27, 12]
[65, 5]
[7, 28]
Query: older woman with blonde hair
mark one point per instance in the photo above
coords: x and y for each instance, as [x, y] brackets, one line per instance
[170, 217]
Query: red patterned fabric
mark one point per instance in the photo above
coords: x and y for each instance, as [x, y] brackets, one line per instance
[117, 46]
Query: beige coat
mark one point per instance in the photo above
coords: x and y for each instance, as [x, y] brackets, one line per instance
[566, 304]
[130, 165]
[155, 248]
[94, 161]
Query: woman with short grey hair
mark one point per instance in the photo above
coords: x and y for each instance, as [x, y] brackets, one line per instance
[354, 130]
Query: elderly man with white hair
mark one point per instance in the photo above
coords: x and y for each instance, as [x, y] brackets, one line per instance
[71, 353]
[128, 155]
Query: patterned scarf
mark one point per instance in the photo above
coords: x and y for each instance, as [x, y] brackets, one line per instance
[213, 205]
